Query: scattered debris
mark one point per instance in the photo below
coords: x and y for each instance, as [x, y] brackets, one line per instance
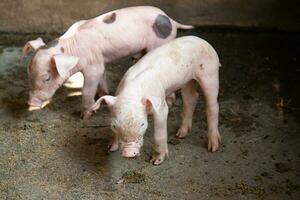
[132, 177]
[174, 141]
[244, 153]
[95, 126]
[282, 167]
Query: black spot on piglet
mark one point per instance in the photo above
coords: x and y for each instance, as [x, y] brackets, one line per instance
[50, 44]
[162, 26]
[110, 18]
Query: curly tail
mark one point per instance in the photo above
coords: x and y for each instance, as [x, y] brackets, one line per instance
[183, 26]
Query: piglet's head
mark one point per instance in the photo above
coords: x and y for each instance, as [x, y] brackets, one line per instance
[129, 120]
[48, 69]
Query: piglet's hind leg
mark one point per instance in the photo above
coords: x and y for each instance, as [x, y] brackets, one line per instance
[209, 83]
[189, 97]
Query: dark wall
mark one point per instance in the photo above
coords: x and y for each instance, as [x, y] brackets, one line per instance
[57, 15]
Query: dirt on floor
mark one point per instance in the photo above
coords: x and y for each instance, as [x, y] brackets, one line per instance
[52, 154]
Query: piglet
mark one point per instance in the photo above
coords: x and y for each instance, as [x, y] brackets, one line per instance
[89, 44]
[177, 65]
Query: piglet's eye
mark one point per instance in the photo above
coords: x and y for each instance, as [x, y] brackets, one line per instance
[46, 78]
[142, 124]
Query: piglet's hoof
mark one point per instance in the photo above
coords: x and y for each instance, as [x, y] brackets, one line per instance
[213, 142]
[181, 133]
[85, 115]
[157, 159]
[113, 147]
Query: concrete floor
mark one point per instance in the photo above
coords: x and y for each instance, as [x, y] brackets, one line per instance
[52, 154]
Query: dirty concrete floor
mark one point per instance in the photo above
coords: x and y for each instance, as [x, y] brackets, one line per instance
[52, 154]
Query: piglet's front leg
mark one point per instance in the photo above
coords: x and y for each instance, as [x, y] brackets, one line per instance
[160, 135]
[92, 78]
[114, 144]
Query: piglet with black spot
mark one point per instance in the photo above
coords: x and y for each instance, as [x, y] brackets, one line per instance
[89, 44]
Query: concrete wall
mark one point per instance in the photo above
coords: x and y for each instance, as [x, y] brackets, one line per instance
[57, 15]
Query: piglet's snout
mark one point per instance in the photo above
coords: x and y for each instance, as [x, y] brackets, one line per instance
[33, 101]
[130, 152]
[130, 149]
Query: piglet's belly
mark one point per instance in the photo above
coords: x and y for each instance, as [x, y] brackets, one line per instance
[177, 82]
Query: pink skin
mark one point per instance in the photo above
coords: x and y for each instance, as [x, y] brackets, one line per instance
[177, 65]
[33, 101]
[132, 149]
[88, 45]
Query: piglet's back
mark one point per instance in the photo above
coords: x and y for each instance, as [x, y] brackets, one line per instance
[170, 57]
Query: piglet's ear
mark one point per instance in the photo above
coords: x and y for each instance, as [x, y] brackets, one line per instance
[33, 45]
[64, 64]
[152, 102]
[108, 99]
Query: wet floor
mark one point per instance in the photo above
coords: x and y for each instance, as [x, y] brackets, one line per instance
[52, 154]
